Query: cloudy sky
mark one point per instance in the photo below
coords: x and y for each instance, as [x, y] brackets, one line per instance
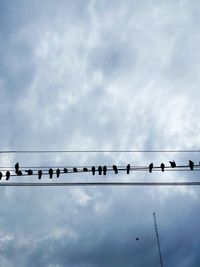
[99, 74]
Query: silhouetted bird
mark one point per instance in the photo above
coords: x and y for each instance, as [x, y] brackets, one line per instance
[150, 167]
[173, 164]
[104, 170]
[1, 175]
[137, 238]
[17, 167]
[100, 170]
[58, 173]
[75, 169]
[93, 170]
[85, 169]
[65, 170]
[39, 174]
[50, 173]
[7, 175]
[29, 172]
[115, 169]
[162, 166]
[191, 164]
[128, 168]
[19, 173]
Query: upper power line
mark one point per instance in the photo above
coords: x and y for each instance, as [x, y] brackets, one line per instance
[99, 151]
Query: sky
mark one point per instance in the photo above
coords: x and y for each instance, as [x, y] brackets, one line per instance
[109, 74]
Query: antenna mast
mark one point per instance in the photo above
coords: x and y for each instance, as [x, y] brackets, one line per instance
[156, 230]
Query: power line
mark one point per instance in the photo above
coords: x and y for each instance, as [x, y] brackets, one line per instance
[103, 184]
[158, 241]
[98, 151]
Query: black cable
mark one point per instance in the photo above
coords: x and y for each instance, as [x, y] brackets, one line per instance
[104, 184]
[99, 151]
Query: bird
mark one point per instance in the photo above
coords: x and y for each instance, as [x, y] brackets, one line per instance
[128, 168]
[19, 173]
[58, 173]
[29, 172]
[39, 174]
[115, 169]
[16, 167]
[137, 238]
[173, 164]
[85, 169]
[65, 170]
[100, 170]
[7, 175]
[162, 166]
[75, 169]
[50, 173]
[191, 165]
[104, 170]
[150, 167]
[93, 170]
[1, 175]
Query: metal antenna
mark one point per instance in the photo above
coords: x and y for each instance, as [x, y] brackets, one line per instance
[156, 230]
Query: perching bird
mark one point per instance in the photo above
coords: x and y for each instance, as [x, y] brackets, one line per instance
[85, 169]
[93, 170]
[29, 172]
[173, 164]
[17, 167]
[39, 174]
[115, 169]
[75, 169]
[104, 170]
[162, 166]
[19, 173]
[128, 168]
[150, 167]
[191, 164]
[1, 175]
[100, 170]
[7, 175]
[65, 170]
[58, 173]
[50, 173]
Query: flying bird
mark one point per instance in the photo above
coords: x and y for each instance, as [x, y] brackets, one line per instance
[128, 168]
[58, 173]
[150, 167]
[39, 174]
[115, 169]
[104, 170]
[172, 163]
[162, 166]
[29, 172]
[191, 164]
[100, 170]
[17, 167]
[93, 170]
[7, 175]
[50, 173]
[137, 238]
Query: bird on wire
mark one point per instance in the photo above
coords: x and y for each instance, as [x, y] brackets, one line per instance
[115, 169]
[93, 170]
[191, 165]
[39, 174]
[16, 167]
[172, 163]
[100, 170]
[29, 172]
[104, 170]
[58, 173]
[7, 175]
[50, 173]
[128, 168]
[150, 167]
[162, 166]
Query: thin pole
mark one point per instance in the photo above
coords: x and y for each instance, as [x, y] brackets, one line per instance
[156, 230]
